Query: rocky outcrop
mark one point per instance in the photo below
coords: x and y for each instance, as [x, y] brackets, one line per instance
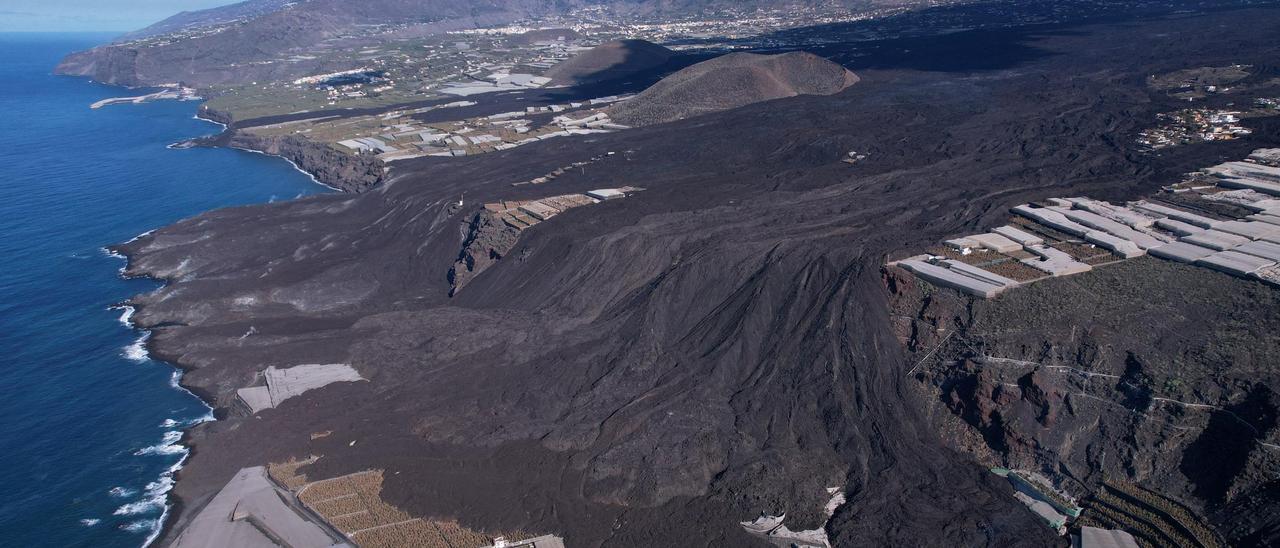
[488, 240]
[214, 115]
[329, 166]
[1144, 371]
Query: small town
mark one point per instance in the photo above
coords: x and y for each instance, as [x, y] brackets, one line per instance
[1193, 126]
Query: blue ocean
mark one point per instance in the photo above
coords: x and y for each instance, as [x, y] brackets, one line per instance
[88, 424]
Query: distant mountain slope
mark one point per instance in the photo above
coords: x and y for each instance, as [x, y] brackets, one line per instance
[732, 81]
[187, 20]
[609, 61]
[236, 52]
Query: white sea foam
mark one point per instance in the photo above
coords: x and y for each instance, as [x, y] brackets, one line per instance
[126, 314]
[167, 476]
[143, 235]
[138, 350]
[115, 255]
[111, 253]
[185, 423]
[175, 380]
[122, 492]
[220, 124]
[89, 522]
[142, 526]
[155, 497]
[143, 506]
[168, 445]
[295, 166]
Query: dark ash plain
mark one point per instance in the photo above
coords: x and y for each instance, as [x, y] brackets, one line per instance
[655, 370]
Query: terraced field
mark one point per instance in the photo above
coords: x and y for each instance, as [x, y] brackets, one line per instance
[1153, 520]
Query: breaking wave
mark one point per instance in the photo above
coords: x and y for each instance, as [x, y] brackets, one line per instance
[175, 380]
[291, 163]
[89, 522]
[168, 445]
[121, 492]
[137, 351]
[126, 314]
[142, 526]
[154, 498]
[135, 238]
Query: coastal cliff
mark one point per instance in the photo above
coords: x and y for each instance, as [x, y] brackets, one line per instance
[106, 64]
[1055, 377]
[329, 166]
[342, 171]
[215, 115]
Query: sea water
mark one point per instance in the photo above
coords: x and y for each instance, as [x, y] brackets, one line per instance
[89, 426]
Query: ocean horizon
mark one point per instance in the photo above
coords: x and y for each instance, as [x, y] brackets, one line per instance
[93, 425]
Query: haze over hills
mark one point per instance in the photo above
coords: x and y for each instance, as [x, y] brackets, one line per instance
[230, 13]
[732, 81]
[223, 45]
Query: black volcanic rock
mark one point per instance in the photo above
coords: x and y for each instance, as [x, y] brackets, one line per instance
[651, 371]
[346, 172]
[488, 240]
[732, 81]
[609, 61]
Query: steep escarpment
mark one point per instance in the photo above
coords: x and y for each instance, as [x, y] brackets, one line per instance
[732, 81]
[1146, 371]
[340, 170]
[488, 240]
[333, 168]
[214, 115]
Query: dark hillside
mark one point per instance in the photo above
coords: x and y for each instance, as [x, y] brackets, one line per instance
[732, 81]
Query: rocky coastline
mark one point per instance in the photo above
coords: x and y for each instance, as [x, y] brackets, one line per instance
[337, 170]
[655, 370]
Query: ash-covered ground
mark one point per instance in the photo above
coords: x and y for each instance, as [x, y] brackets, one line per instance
[652, 370]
